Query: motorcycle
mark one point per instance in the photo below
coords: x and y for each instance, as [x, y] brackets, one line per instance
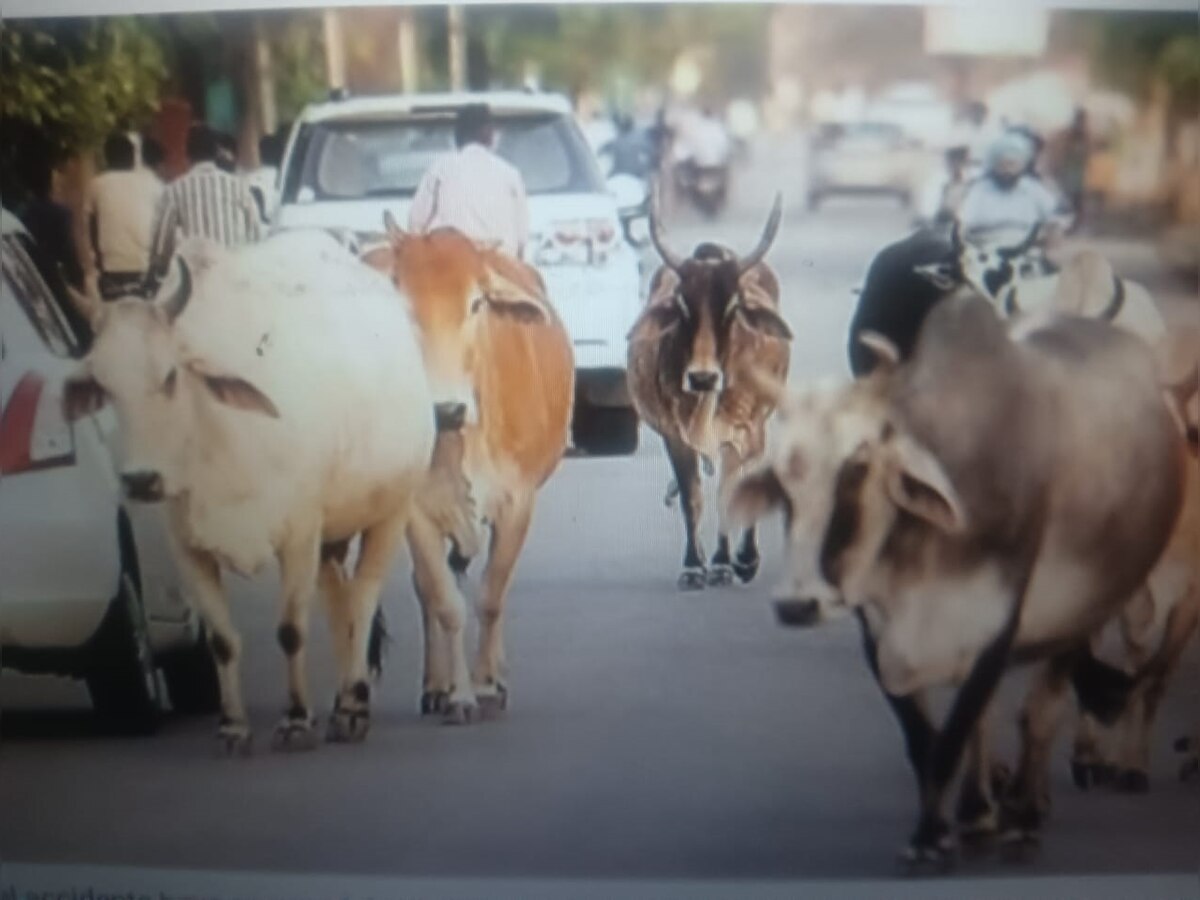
[707, 187]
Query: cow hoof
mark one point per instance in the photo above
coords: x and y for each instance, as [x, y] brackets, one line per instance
[493, 702]
[720, 575]
[434, 702]
[692, 580]
[797, 613]
[459, 712]
[1086, 775]
[1001, 778]
[348, 726]
[1132, 781]
[293, 735]
[927, 859]
[1020, 845]
[745, 570]
[234, 739]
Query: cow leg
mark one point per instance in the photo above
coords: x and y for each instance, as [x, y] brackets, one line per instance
[351, 717]
[1028, 799]
[745, 564]
[435, 682]
[686, 466]
[202, 574]
[976, 813]
[332, 578]
[509, 530]
[1089, 764]
[298, 564]
[1181, 624]
[445, 613]
[720, 571]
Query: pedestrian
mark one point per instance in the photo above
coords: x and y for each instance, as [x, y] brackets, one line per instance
[206, 202]
[154, 157]
[1073, 164]
[50, 223]
[473, 190]
[1007, 199]
[119, 211]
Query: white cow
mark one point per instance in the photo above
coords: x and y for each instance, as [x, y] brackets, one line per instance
[279, 407]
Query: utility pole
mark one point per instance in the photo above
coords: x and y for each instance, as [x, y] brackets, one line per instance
[264, 79]
[406, 41]
[458, 47]
[335, 51]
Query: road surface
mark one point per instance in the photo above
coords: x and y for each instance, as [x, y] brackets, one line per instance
[650, 734]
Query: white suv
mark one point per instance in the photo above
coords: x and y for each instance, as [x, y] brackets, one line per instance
[88, 587]
[349, 160]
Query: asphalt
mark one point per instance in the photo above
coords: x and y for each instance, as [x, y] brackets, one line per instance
[650, 733]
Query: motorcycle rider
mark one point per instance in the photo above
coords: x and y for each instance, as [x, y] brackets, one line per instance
[629, 150]
[1007, 198]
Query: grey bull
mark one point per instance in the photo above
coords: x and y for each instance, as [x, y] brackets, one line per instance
[986, 502]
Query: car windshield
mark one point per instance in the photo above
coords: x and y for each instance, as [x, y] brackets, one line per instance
[358, 159]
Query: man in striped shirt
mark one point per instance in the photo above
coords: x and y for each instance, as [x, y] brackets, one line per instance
[473, 189]
[206, 202]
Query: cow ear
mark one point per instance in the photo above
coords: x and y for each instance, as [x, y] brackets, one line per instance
[524, 311]
[917, 483]
[754, 495]
[654, 322]
[765, 321]
[942, 275]
[234, 392]
[82, 396]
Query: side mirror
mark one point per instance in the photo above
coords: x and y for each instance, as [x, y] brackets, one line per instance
[629, 192]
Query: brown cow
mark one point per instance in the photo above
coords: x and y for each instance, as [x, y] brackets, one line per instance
[710, 326]
[500, 359]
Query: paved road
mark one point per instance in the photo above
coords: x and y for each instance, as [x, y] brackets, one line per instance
[651, 734]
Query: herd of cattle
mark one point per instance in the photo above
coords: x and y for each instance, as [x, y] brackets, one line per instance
[1009, 478]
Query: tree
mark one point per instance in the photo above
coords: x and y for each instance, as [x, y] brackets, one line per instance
[68, 84]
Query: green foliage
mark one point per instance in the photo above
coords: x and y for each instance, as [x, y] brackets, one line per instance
[73, 82]
[1179, 66]
[1131, 49]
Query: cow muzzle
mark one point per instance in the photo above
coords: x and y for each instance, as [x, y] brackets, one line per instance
[143, 487]
[450, 416]
[703, 381]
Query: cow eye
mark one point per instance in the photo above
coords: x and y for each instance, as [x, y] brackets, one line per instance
[168, 385]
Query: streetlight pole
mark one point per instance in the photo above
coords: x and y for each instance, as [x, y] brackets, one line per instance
[406, 41]
[335, 51]
[458, 47]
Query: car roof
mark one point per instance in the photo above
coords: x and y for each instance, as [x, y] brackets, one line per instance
[390, 105]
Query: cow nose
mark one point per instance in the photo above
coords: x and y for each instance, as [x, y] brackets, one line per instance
[450, 416]
[702, 381]
[798, 613]
[145, 487]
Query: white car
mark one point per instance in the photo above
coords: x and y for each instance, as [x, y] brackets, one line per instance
[349, 160]
[88, 588]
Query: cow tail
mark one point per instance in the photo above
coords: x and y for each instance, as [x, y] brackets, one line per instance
[376, 644]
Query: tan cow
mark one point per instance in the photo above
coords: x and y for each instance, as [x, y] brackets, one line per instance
[495, 348]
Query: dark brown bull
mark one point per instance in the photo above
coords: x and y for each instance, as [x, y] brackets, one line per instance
[710, 323]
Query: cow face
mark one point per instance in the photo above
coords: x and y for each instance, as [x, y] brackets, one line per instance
[156, 390]
[990, 270]
[451, 283]
[699, 301]
[842, 473]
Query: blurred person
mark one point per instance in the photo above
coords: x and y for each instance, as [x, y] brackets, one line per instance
[943, 193]
[977, 132]
[227, 152]
[629, 150]
[206, 202]
[1006, 198]
[119, 210]
[473, 189]
[50, 223]
[1072, 165]
[154, 157]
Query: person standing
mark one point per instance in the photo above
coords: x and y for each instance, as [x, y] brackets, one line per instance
[473, 190]
[1072, 174]
[119, 210]
[206, 202]
[50, 223]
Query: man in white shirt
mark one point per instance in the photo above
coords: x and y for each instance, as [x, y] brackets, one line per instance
[119, 211]
[473, 190]
[1006, 199]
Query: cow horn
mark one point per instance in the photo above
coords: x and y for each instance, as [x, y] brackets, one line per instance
[1116, 303]
[1025, 246]
[672, 261]
[173, 305]
[746, 263]
[1011, 308]
[393, 229]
